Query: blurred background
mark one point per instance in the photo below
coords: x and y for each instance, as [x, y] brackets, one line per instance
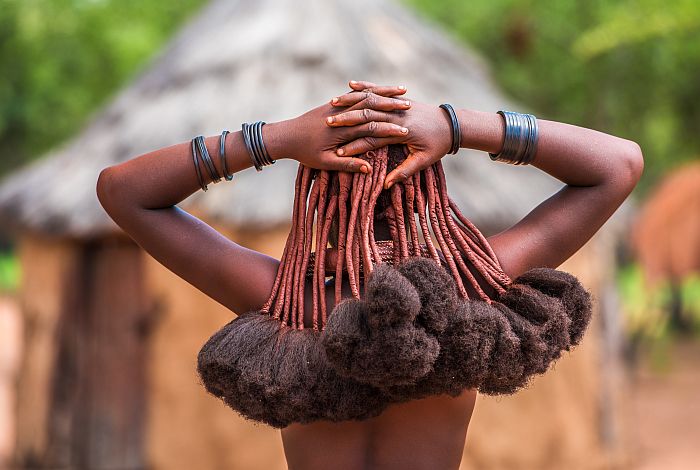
[98, 341]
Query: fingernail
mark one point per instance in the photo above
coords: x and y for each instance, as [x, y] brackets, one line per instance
[364, 169]
[408, 103]
[335, 100]
[354, 82]
[340, 151]
[404, 130]
[388, 184]
[401, 87]
[330, 119]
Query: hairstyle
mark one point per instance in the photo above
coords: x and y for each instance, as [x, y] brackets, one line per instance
[353, 202]
[414, 332]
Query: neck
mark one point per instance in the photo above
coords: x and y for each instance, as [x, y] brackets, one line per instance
[381, 230]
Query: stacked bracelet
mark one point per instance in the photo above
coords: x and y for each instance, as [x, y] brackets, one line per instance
[520, 141]
[222, 154]
[208, 163]
[252, 136]
[196, 165]
[199, 149]
[456, 133]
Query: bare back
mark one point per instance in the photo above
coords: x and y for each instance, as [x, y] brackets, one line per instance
[421, 434]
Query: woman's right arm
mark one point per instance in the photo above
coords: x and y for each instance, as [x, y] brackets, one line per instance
[599, 171]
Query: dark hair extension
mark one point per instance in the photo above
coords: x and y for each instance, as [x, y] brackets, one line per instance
[427, 321]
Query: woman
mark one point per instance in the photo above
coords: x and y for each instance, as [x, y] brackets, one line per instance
[599, 171]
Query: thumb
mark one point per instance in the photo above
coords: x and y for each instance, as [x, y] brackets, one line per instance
[349, 164]
[415, 162]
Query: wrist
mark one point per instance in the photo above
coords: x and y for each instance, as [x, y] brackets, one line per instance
[455, 131]
[481, 130]
[276, 137]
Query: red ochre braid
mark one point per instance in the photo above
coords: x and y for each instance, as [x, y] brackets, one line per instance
[322, 197]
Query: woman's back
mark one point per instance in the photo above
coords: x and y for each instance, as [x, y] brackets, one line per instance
[428, 433]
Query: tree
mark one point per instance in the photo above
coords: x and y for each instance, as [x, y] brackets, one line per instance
[60, 59]
[627, 67]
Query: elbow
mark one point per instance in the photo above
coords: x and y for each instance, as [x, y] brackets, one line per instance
[107, 188]
[631, 164]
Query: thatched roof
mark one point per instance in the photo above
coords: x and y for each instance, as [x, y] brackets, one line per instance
[269, 59]
[666, 236]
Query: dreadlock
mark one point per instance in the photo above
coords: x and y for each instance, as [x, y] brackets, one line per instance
[328, 194]
[414, 331]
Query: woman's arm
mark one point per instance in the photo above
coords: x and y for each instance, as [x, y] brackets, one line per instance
[599, 170]
[141, 194]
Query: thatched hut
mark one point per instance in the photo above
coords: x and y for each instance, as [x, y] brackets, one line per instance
[667, 254]
[108, 377]
[666, 237]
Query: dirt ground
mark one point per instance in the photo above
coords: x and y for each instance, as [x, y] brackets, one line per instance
[665, 412]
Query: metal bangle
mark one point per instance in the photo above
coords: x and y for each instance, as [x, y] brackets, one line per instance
[456, 132]
[252, 134]
[222, 154]
[523, 137]
[213, 173]
[531, 151]
[196, 165]
[261, 143]
[245, 128]
[505, 148]
[506, 151]
[255, 140]
[520, 139]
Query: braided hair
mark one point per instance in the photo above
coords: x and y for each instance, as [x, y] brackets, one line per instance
[419, 321]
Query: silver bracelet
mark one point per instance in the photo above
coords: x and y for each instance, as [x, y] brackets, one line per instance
[520, 140]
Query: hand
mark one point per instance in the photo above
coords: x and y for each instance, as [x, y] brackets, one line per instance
[309, 140]
[428, 139]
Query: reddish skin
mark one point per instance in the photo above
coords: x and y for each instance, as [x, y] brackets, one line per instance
[599, 171]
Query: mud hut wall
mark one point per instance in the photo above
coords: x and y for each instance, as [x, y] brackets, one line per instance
[187, 428]
[44, 265]
[81, 383]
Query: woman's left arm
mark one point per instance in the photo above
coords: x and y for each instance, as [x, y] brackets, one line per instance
[141, 194]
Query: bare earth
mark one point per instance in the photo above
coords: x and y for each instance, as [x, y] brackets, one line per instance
[665, 406]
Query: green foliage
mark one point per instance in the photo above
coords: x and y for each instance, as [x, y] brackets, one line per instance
[627, 67]
[646, 311]
[60, 59]
[9, 272]
[690, 294]
[647, 21]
